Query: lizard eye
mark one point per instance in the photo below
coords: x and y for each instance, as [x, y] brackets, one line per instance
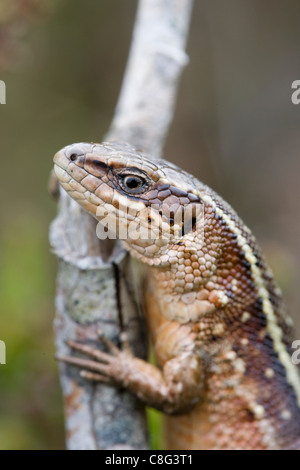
[133, 183]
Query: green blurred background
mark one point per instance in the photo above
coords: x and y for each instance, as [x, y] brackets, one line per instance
[235, 128]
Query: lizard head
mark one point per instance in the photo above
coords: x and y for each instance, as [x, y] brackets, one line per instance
[151, 205]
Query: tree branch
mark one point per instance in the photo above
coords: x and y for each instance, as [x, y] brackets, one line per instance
[95, 278]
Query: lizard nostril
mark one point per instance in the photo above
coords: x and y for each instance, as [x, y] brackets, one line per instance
[73, 157]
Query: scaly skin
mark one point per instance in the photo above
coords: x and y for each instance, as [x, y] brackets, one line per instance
[221, 335]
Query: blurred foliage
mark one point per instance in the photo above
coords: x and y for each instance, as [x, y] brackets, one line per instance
[15, 19]
[30, 406]
[234, 128]
[155, 429]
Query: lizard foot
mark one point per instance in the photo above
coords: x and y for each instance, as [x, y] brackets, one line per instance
[109, 368]
[177, 387]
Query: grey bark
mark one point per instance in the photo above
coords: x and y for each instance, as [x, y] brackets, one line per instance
[95, 277]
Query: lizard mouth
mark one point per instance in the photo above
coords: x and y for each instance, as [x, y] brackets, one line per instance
[80, 176]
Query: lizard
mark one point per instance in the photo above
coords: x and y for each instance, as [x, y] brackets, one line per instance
[222, 338]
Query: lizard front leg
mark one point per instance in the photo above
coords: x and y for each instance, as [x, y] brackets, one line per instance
[174, 389]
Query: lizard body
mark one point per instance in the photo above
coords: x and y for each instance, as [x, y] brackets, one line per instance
[222, 338]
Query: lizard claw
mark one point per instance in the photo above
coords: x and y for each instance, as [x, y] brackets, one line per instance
[113, 349]
[125, 343]
[95, 377]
